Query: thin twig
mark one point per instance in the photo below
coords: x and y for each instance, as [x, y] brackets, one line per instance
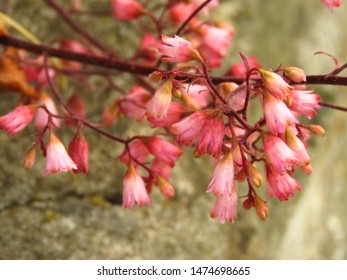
[332, 106]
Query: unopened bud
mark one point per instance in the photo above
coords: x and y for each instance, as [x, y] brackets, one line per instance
[261, 208]
[226, 88]
[155, 77]
[29, 158]
[255, 178]
[307, 168]
[295, 74]
[165, 187]
[177, 93]
[315, 129]
[248, 203]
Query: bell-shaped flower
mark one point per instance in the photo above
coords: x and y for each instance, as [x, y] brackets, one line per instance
[137, 150]
[78, 151]
[134, 189]
[177, 49]
[18, 119]
[283, 186]
[57, 159]
[135, 103]
[223, 176]
[304, 102]
[225, 207]
[174, 113]
[298, 147]
[41, 116]
[160, 102]
[331, 4]
[275, 84]
[279, 156]
[127, 9]
[278, 116]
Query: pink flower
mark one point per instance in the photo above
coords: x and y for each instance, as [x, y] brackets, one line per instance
[135, 103]
[163, 150]
[195, 96]
[278, 116]
[223, 176]
[18, 119]
[165, 187]
[225, 207]
[275, 84]
[57, 158]
[283, 186]
[134, 189]
[41, 116]
[127, 9]
[147, 50]
[180, 12]
[74, 46]
[110, 113]
[331, 4]
[298, 147]
[239, 70]
[159, 104]
[162, 168]
[177, 49]
[78, 107]
[278, 154]
[174, 113]
[78, 151]
[304, 102]
[138, 150]
[204, 128]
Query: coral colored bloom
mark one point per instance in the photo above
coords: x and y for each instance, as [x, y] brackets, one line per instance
[304, 102]
[18, 119]
[57, 159]
[163, 150]
[295, 74]
[298, 147]
[225, 207]
[134, 189]
[138, 150]
[41, 116]
[275, 84]
[331, 4]
[223, 176]
[147, 51]
[160, 102]
[283, 186]
[127, 9]
[165, 187]
[174, 113]
[204, 128]
[135, 103]
[78, 151]
[77, 106]
[278, 154]
[180, 12]
[74, 46]
[239, 70]
[162, 168]
[177, 49]
[278, 116]
[195, 96]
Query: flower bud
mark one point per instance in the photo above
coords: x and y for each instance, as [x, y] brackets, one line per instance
[295, 74]
[29, 158]
[315, 129]
[165, 187]
[255, 178]
[261, 208]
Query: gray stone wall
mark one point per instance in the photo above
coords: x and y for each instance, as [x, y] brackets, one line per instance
[70, 216]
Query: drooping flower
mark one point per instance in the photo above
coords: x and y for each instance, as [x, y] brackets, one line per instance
[160, 102]
[239, 70]
[147, 51]
[57, 159]
[195, 96]
[331, 4]
[77, 105]
[278, 116]
[162, 168]
[137, 150]
[163, 150]
[127, 9]
[177, 49]
[279, 156]
[134, 189]
[174, 113]
[110, 113]
[41, 116]
[283, 186]
[78, 151]
[135, 103]
[205, 128]
[298, 147]
[275, 84]
[165, 187]
[225, 207]
[18, 119]
[304, 102]
[223, 176]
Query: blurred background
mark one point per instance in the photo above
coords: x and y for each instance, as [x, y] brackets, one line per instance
[69, 216]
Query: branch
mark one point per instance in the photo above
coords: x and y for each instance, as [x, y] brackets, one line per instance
[332, 106]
